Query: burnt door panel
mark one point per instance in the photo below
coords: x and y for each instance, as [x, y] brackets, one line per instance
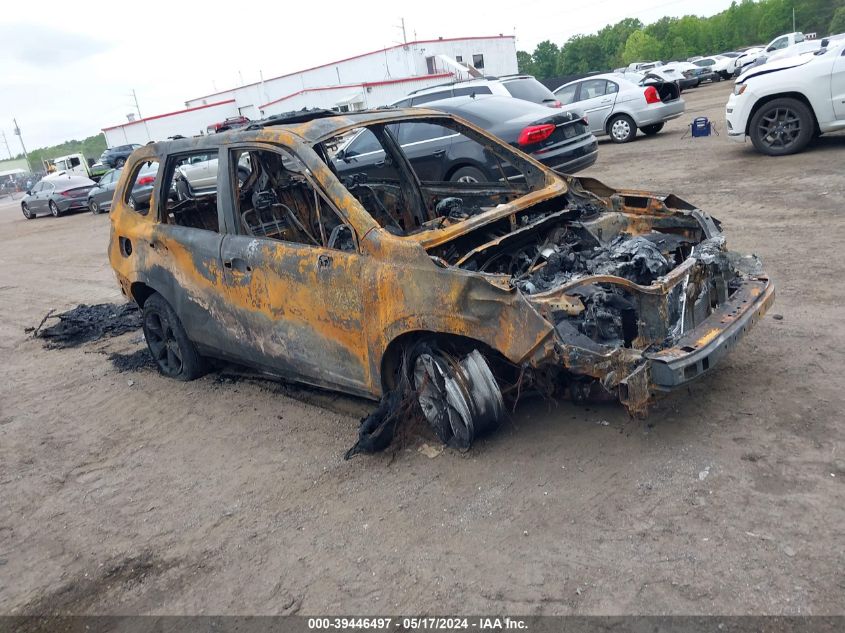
[183, 264]
[298, 310]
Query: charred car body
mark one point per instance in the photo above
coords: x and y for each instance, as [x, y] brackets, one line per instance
[468, 292]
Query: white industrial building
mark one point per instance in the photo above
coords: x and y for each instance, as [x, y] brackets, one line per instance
[356, 83]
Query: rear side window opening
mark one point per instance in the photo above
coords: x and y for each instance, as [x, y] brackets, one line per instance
[143, 178]
[191, 186]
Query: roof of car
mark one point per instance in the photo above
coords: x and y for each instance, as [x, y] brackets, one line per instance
[313, 126]
[617, 77]
[484, 79]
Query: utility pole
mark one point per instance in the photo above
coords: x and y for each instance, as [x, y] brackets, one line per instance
[25, 155]
[404, 37]
[793, 19]
[135, 98]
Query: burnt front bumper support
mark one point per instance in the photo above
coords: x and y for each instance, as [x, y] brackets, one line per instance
[699, 350]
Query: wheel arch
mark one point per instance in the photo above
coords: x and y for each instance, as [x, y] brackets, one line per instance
[798, 96]
[392, 355]
[615, 115]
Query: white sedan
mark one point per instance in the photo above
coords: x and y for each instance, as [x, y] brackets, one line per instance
[783, 104]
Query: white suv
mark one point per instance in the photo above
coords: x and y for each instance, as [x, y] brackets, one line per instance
[518, 86]
[783, 104]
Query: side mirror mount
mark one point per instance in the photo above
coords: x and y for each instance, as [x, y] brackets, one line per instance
[29, 192]
[341, 154]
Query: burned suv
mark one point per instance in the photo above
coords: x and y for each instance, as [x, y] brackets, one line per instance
[462, 294]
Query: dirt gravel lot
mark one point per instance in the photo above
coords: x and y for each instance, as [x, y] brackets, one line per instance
[124, 492]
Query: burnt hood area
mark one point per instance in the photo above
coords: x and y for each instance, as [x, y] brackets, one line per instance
[579, 242]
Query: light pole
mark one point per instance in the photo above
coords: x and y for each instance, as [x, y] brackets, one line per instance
[25, 155]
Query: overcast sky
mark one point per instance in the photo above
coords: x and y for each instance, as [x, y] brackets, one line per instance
[67, 68]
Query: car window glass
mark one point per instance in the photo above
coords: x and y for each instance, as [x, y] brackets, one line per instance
[411, 132]
[434, 96]
[612, 88]
[364, 143]
[472, 90]
[276, 199]
[566, 95]
[191, 186]
[38, 187]
[529, 89]
[593, 88]
[139, 194]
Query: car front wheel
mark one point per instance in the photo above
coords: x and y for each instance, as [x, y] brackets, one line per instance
[174, 353]
[54, 209]
[93, 206]
[651, 130]
[622, 128]
[781, 127]
[27, 212]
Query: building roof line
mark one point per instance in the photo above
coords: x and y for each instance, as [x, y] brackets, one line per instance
[363, 84]
[340, 61]
[166, 114]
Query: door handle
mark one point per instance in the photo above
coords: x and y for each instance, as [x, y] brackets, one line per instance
[440, 153]
[379, 163]
[237, 264]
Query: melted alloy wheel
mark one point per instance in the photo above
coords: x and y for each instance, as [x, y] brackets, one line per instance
[460, 399]
[163, 344]
[780, 128]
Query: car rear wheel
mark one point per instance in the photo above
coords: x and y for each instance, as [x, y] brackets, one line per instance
[174, 353]
[651, 130]
[94, 206]
[120, 162]
[622, 128]
[469, 174]
[54, 209]
[781, 127]
[27, 212]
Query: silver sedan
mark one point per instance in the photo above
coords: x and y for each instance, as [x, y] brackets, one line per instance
[619, 107]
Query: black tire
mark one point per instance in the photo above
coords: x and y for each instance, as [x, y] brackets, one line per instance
[469, 175]
[54, 209]
[173, 352]
[94, 206]
[120, 162]
[651, 130]
[621, 128]
[27, 212]
[781, 127]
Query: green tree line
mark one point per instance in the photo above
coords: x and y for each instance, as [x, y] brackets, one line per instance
[90, 147]
[745, 23]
